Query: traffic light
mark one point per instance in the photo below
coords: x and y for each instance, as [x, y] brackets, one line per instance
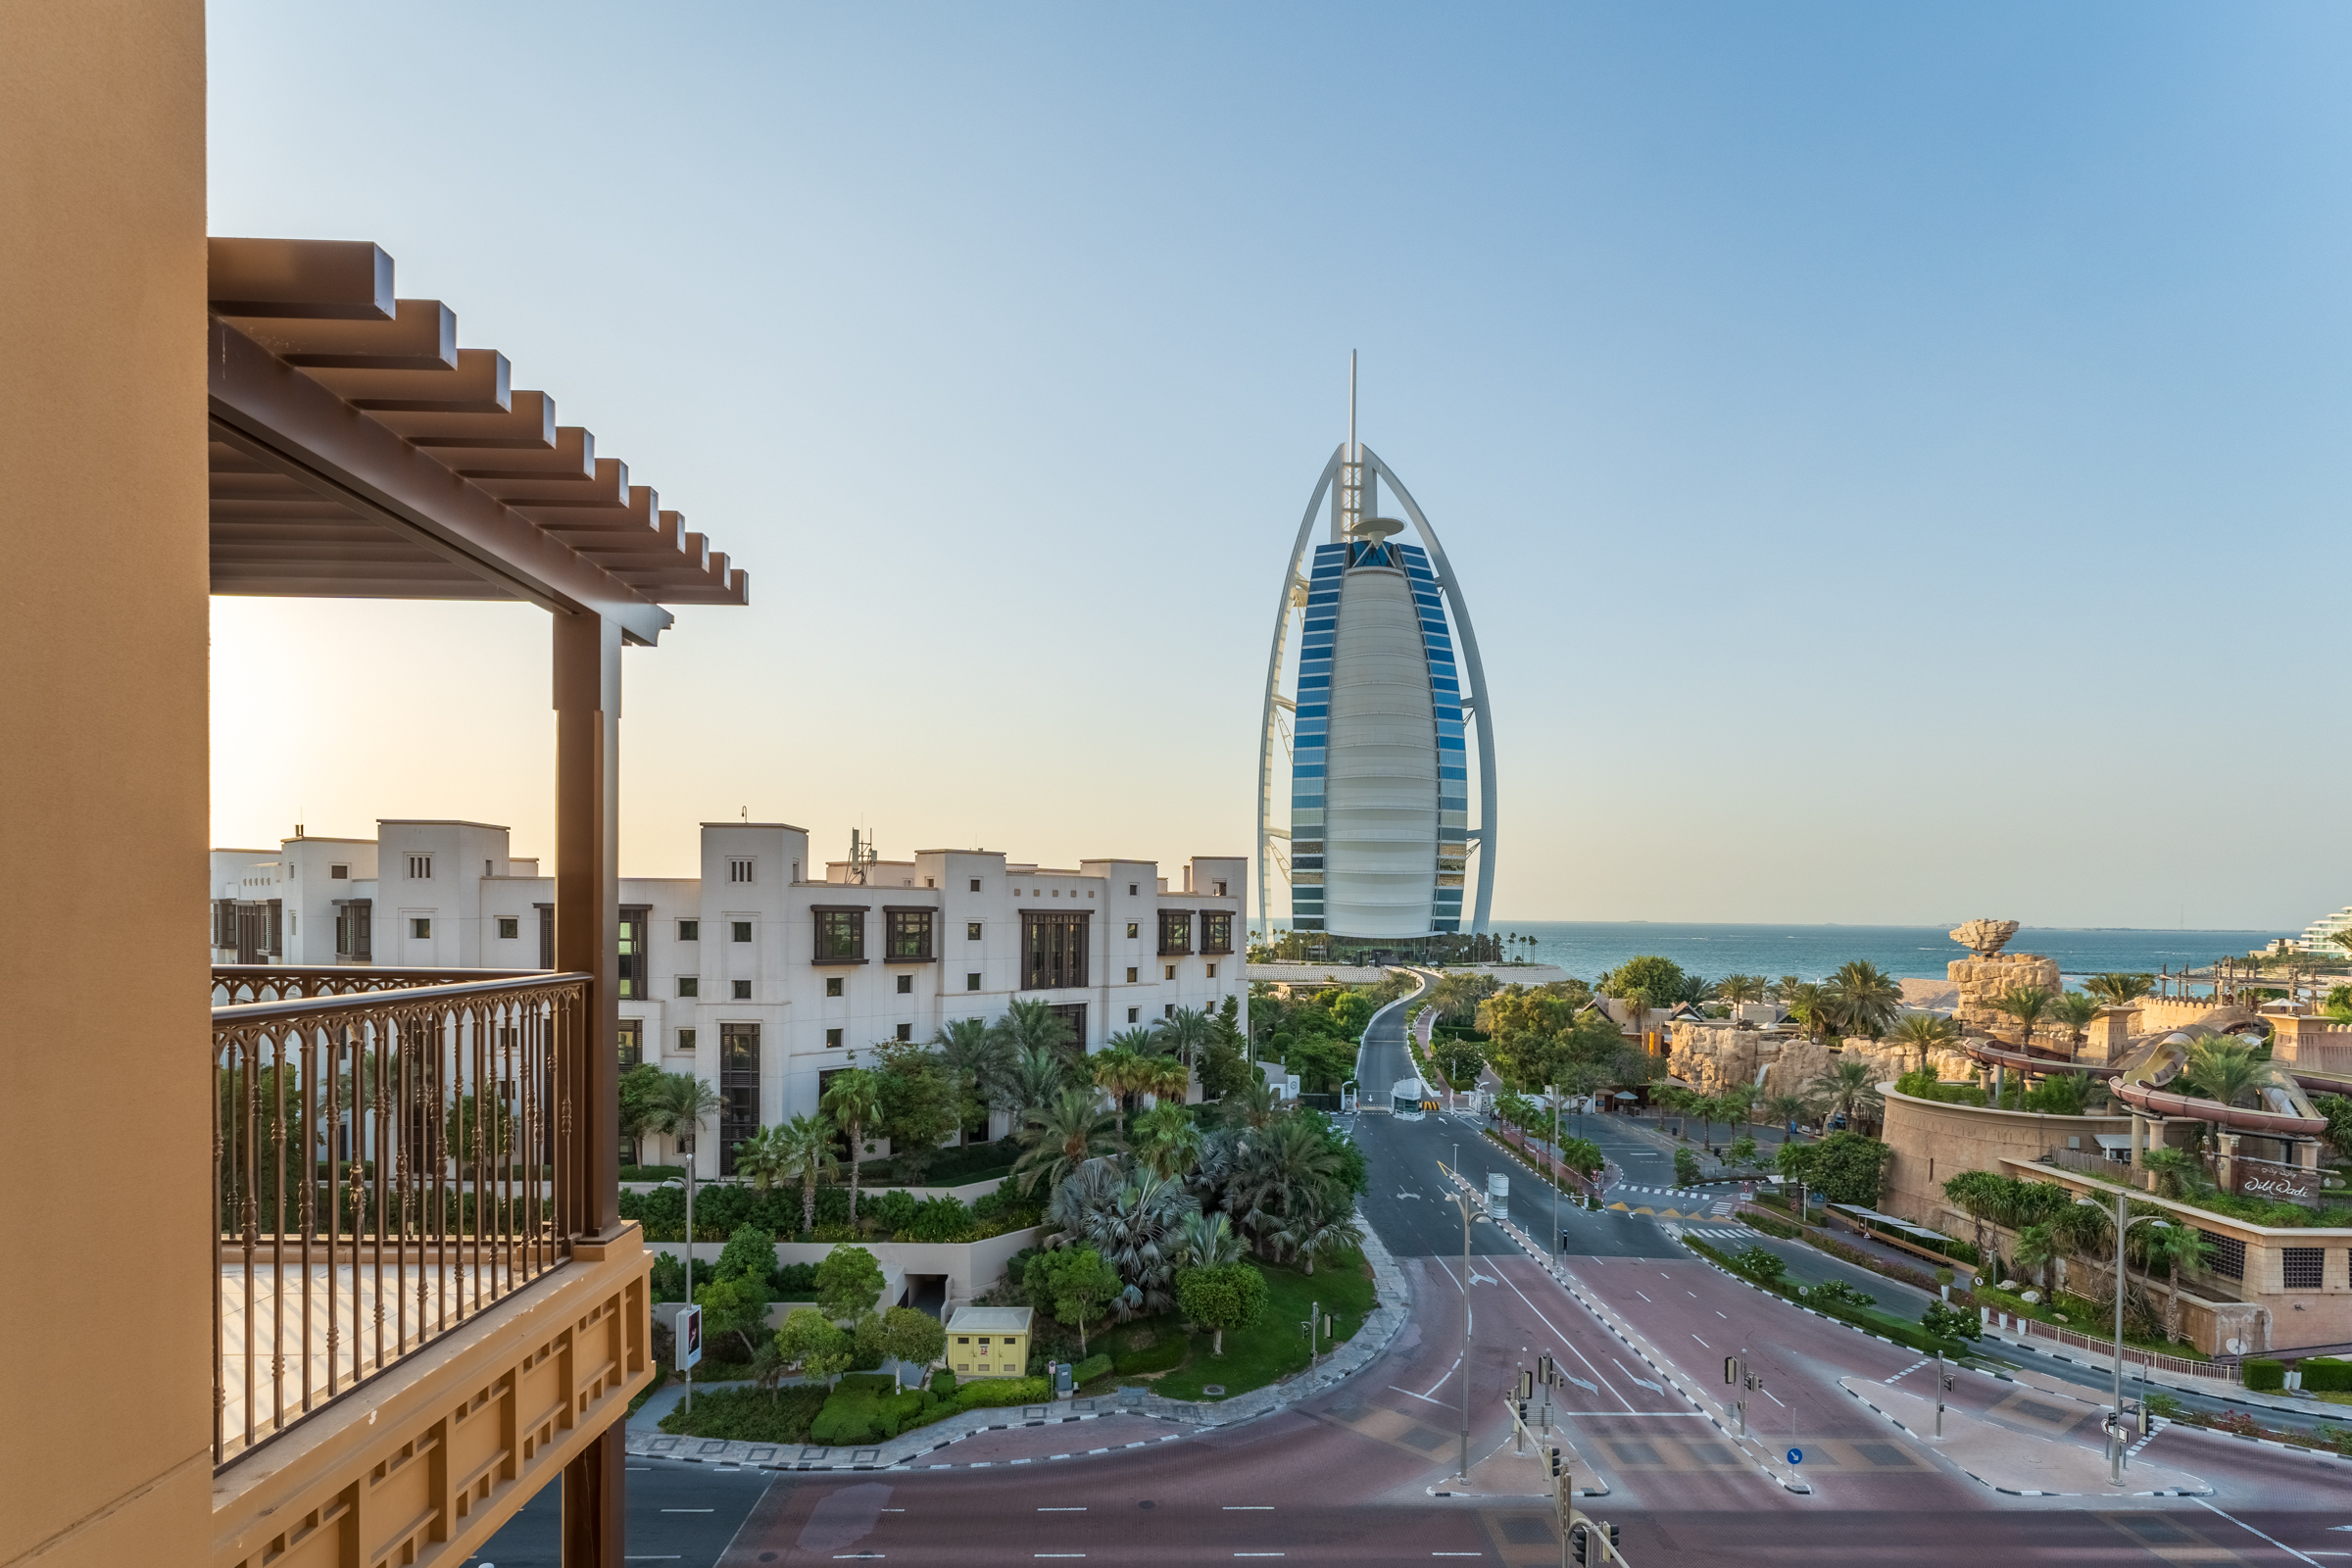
[1557, 1469]
[1579, 1540]
[1520, 1406]
[1527, 1387]
[1550, 1371]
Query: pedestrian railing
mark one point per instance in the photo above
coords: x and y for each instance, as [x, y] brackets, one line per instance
[2026, 1327]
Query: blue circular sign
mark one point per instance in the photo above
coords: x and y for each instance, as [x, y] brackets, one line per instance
[1797, 1457]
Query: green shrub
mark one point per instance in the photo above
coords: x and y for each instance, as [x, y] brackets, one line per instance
[1770, 1226]
[749, 1416]
[1686, 1168]
[988, 1393]
[1759, 1263]
[942, 1383]
[2324, 1374]
[1093, 1366]
[1837, 1293]
[1949, 1322]
[2264, 1376]
[654, 1173]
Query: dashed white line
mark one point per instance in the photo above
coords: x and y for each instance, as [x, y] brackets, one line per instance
[1078, 1508]
[1703, 1344]
[688, 1510]
[1248, 1507]
[1645, 1299]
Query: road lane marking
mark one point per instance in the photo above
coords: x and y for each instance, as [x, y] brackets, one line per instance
[1703, 1344]
[1719, 1313]
[1441, 1382]
[1410, 1395]
[1644, 1381]
[1248, 1507]
[1645, 1299]
[689, 1511]
[1571, 1344]
[2251, 1531]
[1078, 1508]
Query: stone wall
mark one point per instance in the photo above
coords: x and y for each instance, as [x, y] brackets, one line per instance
[1981, 980]
[1933, 1141]
[1717, 1054]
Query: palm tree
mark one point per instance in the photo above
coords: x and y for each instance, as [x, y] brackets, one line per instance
[2038, 1248]
[2075, 1009]
[799, 1150]
[2225, 1067]
[1205, 1241]
[978, 1055]
[678, 1107]
[854, 1099]
[1980, 1193]
[1132, 1218]
[1848, 1089]
[1118, 1071]
[1032, 1025]
[1737, 988]
[1813, 1007]
[1185, 1034]
[1324, 1227]
[2119, 990]
[1252, 1106]
[1062, 1135]
[1787, 1110]
[1276, 1171]
[2028, 1004]
[1925, 1032]
[1035, 1077]
[1866, 998]
[1167, 1139]
[2172, 1247]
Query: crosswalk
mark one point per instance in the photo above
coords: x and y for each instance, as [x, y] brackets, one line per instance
[1721, 1233]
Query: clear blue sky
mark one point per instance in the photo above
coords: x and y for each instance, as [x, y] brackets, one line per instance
[1895, 455]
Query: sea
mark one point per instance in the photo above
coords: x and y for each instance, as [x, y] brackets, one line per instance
[1586, 948]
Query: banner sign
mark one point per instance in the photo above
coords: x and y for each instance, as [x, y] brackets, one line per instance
[2261, 1178]
[688, 1331]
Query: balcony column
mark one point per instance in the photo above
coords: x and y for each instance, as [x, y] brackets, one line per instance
[587, 690]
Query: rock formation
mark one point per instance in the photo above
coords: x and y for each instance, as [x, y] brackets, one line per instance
[1984, 981]
[1984, 937]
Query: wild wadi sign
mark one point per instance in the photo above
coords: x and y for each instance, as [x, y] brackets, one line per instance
[2260, 1178]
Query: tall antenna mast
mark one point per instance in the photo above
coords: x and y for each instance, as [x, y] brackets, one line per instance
[1352, 467]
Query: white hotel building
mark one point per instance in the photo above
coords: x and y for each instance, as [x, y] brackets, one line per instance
[755, 976]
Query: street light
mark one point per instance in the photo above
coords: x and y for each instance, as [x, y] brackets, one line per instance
[2124, 1222]
[1554, 1090]
[1461, 1198]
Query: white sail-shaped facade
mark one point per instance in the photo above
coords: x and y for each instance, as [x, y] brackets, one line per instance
[1379, 814]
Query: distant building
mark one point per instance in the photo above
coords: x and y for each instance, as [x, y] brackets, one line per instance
[766, 974]
[2319, 935]
[1380, 837]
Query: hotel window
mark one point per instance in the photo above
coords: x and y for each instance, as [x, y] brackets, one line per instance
[743, 930]
[689, 985]
[738, 1089]
[632, 973]
[1172, 971]
[1133, 930]
[739, 869]
[1053, 950]
[1073, 1018]
[743, 991]
[832, 985]
[632, 1041]
[353, 936]
[975, 884]
[1212, 971]
[2225, 1255]
[1131, 890]
[1175, 931]
[509, 928]
[690, 930]
[421, 867]
[1132, 973]
[2303, 1266]
[971, 930]
[421, 927]
[1221, 893]
[685, 1040]
[547, 934]
[840, 933]
[971, 982]
[906, 985]
[338, 872]
[1168, 1011]
[1135, 1014]
[832, 1039]
[906, 935]
[1217, 931]
[905, 1031]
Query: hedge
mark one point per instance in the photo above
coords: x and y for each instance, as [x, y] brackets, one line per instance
[1868, 1319]
[2264, 1376]
[722, 1209]
[2324, 1374]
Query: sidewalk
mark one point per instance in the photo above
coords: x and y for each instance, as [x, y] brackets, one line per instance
[909, 1450]
[2179, 1382]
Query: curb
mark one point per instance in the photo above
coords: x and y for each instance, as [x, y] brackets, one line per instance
[2025, 1492]
[1371, 1341]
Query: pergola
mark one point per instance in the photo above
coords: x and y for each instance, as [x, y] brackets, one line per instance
[355, 451]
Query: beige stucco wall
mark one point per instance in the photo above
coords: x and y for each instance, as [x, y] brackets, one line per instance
[1933, 1141]
[105, 1457]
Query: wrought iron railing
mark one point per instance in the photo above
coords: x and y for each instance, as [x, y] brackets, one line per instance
[233, 983]
[387, 1166]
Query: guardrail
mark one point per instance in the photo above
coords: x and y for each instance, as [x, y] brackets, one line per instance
[2026, 1328]
[386, 1167]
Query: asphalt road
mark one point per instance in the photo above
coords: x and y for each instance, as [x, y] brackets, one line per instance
[1383, 1059]
[1366, 1474]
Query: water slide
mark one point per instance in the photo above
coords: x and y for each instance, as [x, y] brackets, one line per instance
[2155, 1060]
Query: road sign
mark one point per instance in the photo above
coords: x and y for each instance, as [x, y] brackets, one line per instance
[689, 1333]
[1797, 1457]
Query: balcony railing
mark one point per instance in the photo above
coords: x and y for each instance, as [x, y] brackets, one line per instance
[387, 1166]
[233, 983]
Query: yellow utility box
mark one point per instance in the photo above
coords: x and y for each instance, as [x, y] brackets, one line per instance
[989, 1341]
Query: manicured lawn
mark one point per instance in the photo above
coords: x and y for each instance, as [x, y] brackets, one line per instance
[1275, 1345]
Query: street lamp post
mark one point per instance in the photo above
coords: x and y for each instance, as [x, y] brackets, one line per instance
[2124, 1221]
[1460, 1198]
[1554, 1090]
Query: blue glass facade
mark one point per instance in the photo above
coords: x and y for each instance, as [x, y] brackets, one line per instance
[1312, 729]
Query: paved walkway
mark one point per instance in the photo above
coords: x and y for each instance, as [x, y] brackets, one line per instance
[916, 1450]
[2028, 1444]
